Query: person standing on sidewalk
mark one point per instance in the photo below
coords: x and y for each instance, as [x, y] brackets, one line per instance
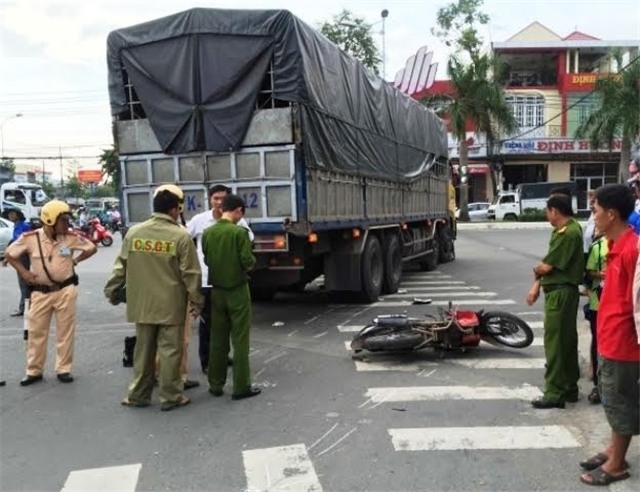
[158, 268]
[618, 340]
[196, 227]
[20, 226]
[52, 281]
[227, 253]
[559, 275]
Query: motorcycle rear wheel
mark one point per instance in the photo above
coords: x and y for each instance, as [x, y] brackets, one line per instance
[505, 329]
[107, 241]
[403, 340]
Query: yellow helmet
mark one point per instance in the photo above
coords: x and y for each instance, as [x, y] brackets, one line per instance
[174, 190]
[52, 210]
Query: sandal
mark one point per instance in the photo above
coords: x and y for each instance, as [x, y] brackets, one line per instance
[601, 478]
[594, 396]
[128, 403]
[597, 461]
[166, 407]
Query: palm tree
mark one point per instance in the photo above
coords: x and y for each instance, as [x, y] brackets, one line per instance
[477, 96]
[617, 113]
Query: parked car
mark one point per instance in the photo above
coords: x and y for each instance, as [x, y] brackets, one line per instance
[6, 233]
[477, 211]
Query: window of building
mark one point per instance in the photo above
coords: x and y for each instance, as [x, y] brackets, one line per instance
[528, 110]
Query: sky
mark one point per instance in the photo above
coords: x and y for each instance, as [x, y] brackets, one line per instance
[53, 55]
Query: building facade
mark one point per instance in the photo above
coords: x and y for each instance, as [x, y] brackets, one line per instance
[550, 89]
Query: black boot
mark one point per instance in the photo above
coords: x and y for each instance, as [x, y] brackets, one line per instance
[127, 354]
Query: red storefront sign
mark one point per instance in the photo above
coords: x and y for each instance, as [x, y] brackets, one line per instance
[583, 81]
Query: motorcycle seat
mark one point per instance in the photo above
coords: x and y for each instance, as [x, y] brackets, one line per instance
[395, 320]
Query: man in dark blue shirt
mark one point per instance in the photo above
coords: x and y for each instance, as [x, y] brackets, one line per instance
[20, 226]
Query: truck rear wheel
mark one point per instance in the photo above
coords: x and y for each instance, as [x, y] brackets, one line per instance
[392, 265]
[372, 268]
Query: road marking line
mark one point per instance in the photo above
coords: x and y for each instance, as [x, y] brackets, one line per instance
[427, 277]
[385, 366]
[277, 356]
[433, 282]
[350, 328]
[530, 313]
[440, 393]
[536, 324]
[320, 335]
[501, 363]
[465, 438]
[283, 468]
[322, 437]
[441, 294]
[420, 274]
[122, 478]
[326, 450]
[456, 302]
[429, 288]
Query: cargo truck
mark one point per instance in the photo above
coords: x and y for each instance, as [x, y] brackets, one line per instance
[510, 205]
[342, 175]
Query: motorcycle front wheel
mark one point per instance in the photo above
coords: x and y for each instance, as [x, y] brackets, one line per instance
[505, 329]
[107, 241]
[403, 340]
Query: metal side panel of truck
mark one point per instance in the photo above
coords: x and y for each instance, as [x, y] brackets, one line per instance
[342, 175]
[308, 222]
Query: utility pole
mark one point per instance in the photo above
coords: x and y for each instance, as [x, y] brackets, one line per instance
[43, 178]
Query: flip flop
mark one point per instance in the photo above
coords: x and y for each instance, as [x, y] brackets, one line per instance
[167, 407]
[127, 403]
[597, 461]
[601, 478]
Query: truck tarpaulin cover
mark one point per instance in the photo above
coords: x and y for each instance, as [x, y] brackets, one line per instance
[198, 73]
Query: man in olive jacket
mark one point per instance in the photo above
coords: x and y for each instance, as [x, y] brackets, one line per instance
[159, 271]
[227, 253]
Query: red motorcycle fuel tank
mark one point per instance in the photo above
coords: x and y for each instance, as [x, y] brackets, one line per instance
[467, 320]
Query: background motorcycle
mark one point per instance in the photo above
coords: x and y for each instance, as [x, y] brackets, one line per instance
[96, 232]
[453, 329]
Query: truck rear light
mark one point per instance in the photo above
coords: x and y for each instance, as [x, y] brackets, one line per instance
[312, 238]
[297, 261]
[274, 243]
[355, 233]
[404, 226]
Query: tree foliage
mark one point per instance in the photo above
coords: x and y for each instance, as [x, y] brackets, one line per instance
[104, 191]
[617, 113]
[457, 26]
[8, 165]
[111, 167]
[477, 94]
[75, 188]
[353, 36]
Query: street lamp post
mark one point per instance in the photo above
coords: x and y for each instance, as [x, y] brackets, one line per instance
[384, 14]
[17, 115]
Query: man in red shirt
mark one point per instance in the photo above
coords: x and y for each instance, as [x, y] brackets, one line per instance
[618, 346]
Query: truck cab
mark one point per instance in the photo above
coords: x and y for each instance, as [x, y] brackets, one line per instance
[27, 197]
[506, 206]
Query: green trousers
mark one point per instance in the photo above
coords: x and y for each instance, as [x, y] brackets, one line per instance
[561, 344]
[230, 320]
[167, 341]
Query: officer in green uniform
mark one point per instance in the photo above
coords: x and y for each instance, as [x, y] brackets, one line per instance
[158, 269]
[227, 253]
[559, 275]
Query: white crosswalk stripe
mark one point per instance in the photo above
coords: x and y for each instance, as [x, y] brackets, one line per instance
[469, 438]
[441, 294]
[280, 469]
[494, 363]
[120, 478]
[439, 393]
[455, 302]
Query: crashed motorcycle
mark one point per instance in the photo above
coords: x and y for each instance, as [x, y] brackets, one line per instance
[452, 329]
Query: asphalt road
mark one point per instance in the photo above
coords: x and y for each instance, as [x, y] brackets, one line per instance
[324, 421]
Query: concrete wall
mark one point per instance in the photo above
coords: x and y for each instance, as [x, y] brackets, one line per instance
[535, 32]
[559, 171]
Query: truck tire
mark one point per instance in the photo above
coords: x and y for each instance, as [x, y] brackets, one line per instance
[372, 270]
[430, 261]
[392, 265]
[447, 246]
[511, 217]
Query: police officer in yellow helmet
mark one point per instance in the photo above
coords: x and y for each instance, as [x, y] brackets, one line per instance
[52, 281]
[158, 266]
